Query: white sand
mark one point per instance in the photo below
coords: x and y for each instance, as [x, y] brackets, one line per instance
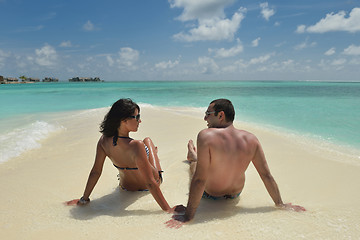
[34, 186]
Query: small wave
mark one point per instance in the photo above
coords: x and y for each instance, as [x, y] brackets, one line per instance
[335, 151]
[20, 140]
[174, 108]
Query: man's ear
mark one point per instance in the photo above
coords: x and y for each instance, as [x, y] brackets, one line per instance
[221, 115]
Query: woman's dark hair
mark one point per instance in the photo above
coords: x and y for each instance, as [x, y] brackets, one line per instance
[226, 106]
[120, 110]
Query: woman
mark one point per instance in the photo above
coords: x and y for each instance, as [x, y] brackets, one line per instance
[136, 160]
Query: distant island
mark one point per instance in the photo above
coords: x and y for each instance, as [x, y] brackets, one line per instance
[85, 79]
[12, 80]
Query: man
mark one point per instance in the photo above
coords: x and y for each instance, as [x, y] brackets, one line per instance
[219, 164]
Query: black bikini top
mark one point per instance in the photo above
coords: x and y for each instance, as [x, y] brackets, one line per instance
[116, 137]
[114, 144]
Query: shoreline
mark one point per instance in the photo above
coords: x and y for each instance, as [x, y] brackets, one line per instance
[35, 184]
[335, 150]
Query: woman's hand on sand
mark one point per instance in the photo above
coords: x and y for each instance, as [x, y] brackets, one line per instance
[72, 202]
[77, 201]
[290, 206]
[177, 221]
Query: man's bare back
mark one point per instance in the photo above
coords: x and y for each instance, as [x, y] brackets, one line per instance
[231, 152]
[219, 162]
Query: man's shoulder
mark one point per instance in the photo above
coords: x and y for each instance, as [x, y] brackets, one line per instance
[234, 132]
[208, 132]
[248, 136]
[208, 135]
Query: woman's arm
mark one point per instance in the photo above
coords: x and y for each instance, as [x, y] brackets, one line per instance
[95, 173]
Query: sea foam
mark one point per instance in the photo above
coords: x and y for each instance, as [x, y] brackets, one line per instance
[20, 140]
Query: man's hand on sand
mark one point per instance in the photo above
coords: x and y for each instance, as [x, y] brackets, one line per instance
[177, 210]
[290, 206]
[179, 218]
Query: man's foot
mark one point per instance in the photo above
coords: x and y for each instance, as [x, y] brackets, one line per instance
[191, 155]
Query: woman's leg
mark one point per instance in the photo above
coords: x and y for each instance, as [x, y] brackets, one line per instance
[153, 157]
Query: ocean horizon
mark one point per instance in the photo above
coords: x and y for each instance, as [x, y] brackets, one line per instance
[326, 111]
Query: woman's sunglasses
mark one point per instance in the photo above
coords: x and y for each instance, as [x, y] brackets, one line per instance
[137, 117]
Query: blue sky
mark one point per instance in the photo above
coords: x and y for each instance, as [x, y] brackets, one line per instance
[181, 39]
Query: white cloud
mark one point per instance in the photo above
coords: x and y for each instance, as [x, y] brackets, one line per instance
[281, 44]
[337, 22]
[266, 11]
[66, 44]
[260, 59]
[354, 61]
[167, 65]
[330, 52]
[211, 22]
[305, 44]
[338, 62]
[88, 26]
[30, 29]
[127, 58]
[352, 50]
[225, 53]
[46, 56]
[3, 57]
[255, 42]
[200, 9]
[22, 62]
[48, 16]
[242, 64]
[110, 60]
[288, 63]
[208, 65]
[301, 29]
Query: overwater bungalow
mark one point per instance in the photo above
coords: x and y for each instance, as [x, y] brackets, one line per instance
[7, 80]
[11, 80]
[50, 79]
[33, 79]
[84, 79]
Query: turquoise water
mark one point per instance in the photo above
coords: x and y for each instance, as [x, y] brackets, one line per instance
[325, 110]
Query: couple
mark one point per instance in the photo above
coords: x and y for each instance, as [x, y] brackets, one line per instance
[217, 164]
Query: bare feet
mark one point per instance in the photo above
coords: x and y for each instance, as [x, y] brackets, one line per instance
[191, 155]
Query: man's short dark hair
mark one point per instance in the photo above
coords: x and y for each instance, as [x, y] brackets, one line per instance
[226, 106]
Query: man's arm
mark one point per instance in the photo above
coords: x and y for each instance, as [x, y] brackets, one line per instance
[197, 185]
[198, 181]
[262, 167]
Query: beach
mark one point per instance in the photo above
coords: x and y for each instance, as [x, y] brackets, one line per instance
[36, 184]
